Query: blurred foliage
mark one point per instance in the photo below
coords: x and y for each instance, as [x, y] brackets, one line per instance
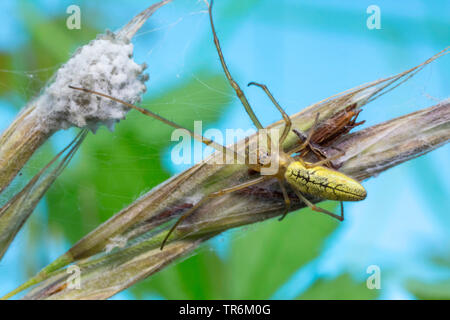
[5, 64]
[430, 291]
[42, 54]
[341, 288]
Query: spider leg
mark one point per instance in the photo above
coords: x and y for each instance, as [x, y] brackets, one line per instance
[316, 208]
[326, 160]
[318, 150]
[311, 132]
[307, 142]
[286, 118]
[287, 200]
[209, 196]
[233, 83]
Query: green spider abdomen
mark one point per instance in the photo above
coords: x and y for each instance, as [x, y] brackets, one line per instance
[324, 183]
